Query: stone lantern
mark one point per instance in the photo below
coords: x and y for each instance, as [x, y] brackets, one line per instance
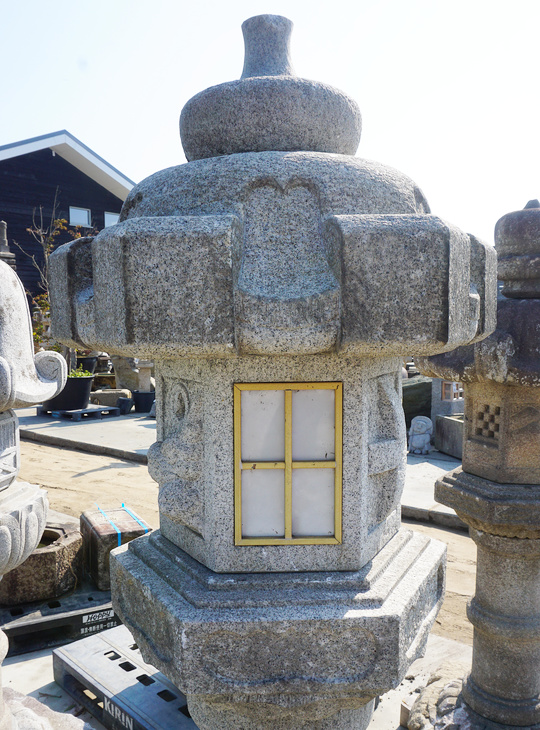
[276, 281]
[497, 491]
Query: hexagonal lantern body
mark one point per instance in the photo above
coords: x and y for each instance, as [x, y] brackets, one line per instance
[276, 282]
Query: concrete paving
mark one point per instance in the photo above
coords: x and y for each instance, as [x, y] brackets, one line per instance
[418, 501]
[124, 437]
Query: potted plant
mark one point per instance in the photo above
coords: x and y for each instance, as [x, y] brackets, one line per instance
[86, 360]
[76, 393]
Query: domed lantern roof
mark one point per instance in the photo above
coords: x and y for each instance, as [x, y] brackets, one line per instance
[274, 237]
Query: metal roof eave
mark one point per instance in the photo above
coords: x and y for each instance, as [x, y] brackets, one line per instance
[77, 154]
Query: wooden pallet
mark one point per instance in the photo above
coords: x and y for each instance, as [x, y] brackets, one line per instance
[107, 675]
[34, 626]
[90, 412]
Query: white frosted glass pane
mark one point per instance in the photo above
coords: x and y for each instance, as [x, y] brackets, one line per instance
[313, 425]
[312, 502]
[263, 503]
[263, 425]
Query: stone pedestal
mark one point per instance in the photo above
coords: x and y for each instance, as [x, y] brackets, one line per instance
[284, 649]
[505, 613]
[504, 519]
[261, 279]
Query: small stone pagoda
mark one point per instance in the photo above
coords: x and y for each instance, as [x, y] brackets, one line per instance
[276, 281]
[497, 491]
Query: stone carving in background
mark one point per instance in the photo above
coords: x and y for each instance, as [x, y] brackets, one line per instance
[261, 278]
[420, 435]
[5, 254]
[25, 379]
[497, 492]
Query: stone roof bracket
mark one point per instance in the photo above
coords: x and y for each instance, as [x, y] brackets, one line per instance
[287, 290]
[71, 281]
[446, 277]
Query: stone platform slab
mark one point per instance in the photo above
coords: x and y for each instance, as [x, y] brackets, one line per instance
[33, 675]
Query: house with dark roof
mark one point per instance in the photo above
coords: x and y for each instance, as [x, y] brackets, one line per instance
[55, 168]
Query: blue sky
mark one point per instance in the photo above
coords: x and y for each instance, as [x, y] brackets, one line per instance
[448, 89]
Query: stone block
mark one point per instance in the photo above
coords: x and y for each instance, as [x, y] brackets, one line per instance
[331, 637]
[449, 435]
[52, 569]
[435, 277]
[101, 533]
[71, 280]
[108, 396]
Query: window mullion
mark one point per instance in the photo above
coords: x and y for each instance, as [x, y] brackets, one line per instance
[288, 464]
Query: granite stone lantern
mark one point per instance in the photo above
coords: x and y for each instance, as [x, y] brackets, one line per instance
[261, 278]
[497, 491]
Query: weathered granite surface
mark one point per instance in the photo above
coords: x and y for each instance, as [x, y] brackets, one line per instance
[237, 224]
[193, 459]
[51, 569]
[25, 378]
[274, 256]
[269, 108]
[283, 641]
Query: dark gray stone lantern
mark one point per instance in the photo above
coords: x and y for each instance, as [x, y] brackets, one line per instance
[497, 492]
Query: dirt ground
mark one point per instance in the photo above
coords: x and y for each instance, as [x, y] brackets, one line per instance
[77, 481]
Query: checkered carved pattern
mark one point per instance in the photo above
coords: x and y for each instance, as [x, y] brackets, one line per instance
[487, 422]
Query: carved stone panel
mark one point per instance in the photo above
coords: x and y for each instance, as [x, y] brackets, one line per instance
[287, 297]
[176, 460]
[502, 433]
[386, 445]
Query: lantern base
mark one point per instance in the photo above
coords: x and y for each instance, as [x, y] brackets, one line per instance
[219, 714]
[291, 648]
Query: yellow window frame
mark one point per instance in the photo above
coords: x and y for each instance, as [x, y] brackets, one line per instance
[288, 465]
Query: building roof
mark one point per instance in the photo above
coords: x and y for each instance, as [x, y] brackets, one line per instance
[77, 154]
